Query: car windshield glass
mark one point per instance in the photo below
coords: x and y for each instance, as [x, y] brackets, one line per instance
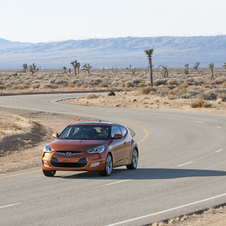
[85, 132]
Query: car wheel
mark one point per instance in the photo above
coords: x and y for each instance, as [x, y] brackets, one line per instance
[49, 173]
[134, 161]
[108, 166]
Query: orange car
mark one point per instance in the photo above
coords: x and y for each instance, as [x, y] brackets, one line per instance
[90, 146]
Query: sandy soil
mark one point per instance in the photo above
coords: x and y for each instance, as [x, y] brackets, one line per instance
[24, 133]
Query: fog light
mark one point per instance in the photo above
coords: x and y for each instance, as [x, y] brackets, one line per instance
[95, 164]
[45, 163]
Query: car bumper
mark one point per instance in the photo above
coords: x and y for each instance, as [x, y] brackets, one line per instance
[81, 162]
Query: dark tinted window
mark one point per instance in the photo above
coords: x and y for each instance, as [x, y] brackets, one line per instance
[85, 132]
[115, 130]
[124, 130]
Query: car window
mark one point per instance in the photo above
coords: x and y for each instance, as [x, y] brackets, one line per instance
[85, 132]
[124, 130]
[115, 130]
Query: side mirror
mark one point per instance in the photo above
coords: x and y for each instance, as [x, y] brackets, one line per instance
[117, 136]
[55, 135]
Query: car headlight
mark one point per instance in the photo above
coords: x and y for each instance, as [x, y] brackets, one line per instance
[98, 149]
[47, 149]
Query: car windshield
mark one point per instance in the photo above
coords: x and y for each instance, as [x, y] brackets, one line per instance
[85, 132]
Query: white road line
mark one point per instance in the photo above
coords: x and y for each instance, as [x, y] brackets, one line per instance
[218, 150]
[185, 164]
[218, 127]
[1, 207]
[116, 182]
[164, 211]
[199, 122]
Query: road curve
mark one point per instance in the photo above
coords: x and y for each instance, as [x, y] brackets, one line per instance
[181, 169]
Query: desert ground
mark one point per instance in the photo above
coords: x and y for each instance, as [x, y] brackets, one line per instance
[29, 131]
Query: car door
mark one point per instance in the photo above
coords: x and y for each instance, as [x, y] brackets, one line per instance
[126, 142]
[117, 147]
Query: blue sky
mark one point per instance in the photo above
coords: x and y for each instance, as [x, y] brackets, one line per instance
[57, 20]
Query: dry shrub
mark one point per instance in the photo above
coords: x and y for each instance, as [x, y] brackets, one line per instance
[61, 82]
[129, 84]
[137, 81]
[96, 81]
[173, 82]
[223, 97]
[175, 91]
[2, 87]
[209, 95]
[91, 96]
[47, 86]
[35, 86]
[223, 85]
[206, 105]
[102, 84]
[147, 90]
[184, 85]
[197, 104]
[171, 97]
[159, 82]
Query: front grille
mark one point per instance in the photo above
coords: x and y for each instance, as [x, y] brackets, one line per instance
[81, 163]
[73, 152]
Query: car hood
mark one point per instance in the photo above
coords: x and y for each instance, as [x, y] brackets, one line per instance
[76, 145]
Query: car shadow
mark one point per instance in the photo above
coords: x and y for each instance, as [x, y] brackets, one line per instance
[147, 174]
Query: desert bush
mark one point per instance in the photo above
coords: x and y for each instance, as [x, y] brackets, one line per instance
[96, 81]
[206, 105]
[61, 82]
[197, 104]
[223, 97]
[188, 95]
[52, 80]
[173, 82]
[129, 84]
[184, 85]
[172, 97]
[159, 82]
[223, 85]
[91, 96]
[189, 81]
[137, 81]
[74, 81]
[2, 87]
[175, 91]
[209, 95]
[147, 90]
[35, 86]
[47, 86]
[102, 84]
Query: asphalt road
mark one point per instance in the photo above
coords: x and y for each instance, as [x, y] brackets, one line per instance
[181, 169]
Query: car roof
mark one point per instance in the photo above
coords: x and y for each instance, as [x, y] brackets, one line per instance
[95, 123]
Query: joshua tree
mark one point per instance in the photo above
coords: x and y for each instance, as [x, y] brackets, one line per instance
[196, 66]
[186, 72]
[211, 66]
[33, 68]
[78, 67]
[224, 65]
[65, 72]
[86, 67]
[69, 70]
[149, 53]
[25, 67]
[74, 64]
[165, 72]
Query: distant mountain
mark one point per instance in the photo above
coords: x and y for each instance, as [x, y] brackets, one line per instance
[116, 52]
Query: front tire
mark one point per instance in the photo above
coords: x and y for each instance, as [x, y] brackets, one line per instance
[108, 166]
[134, 161]
[49, 173]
